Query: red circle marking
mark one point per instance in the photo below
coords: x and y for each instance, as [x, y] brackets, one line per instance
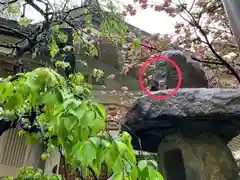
[146, 64]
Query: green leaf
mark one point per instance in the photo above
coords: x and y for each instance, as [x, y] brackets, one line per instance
[76, 147]
[87, 153]
[109, 159]
[88, 119]
[126, 139]
[129, 154]
[96, 141]
[144, 174]
[79, 89]
[97, 126]
[142, 164]
[117, 165]
[70, 121]
[84, 134]
[71, 103]
[134, 173]
[59, 95]
[153, 163]
[24, 21]
[56, 141]
[56, 122]
[151, 172]
[32, 85]
[100, 110]
[63, 37]
[31, 139]
[117, 176]
[53, 47]
[121, 147]
[10, 115]
[13, 102]
[85, 11]
[80, 111]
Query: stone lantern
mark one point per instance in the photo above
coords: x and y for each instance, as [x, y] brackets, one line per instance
[190, 130]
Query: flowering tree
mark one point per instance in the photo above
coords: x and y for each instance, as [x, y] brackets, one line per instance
[137, 50]
[204, 32]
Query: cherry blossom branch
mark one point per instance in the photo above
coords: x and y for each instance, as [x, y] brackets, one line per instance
[225, 63]
[194, 58]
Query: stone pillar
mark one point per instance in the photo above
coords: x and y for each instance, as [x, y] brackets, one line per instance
[196, 158]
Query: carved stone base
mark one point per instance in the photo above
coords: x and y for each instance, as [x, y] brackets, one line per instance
[196, 158]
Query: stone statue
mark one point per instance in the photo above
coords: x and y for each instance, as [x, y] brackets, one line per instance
[192, 75]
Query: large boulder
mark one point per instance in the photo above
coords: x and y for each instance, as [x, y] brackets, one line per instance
[192, 75]
[191, 111]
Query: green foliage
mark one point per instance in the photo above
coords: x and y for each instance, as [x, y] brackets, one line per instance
[53, 47]
[24, 21]
[13, 10]
[66, 117]
[33, 174]
[76, 122]
[147, 170]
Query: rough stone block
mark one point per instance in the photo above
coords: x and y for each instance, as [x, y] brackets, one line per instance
[191, 111]
[192, 75]
[204, 157]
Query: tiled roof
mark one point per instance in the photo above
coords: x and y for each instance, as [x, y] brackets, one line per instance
[13, 28]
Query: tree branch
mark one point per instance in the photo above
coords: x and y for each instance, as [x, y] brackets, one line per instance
[93, 173]
[194, 58]
[225, 63]
[9, 2]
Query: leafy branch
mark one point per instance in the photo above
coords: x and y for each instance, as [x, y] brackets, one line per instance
[48, 103]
